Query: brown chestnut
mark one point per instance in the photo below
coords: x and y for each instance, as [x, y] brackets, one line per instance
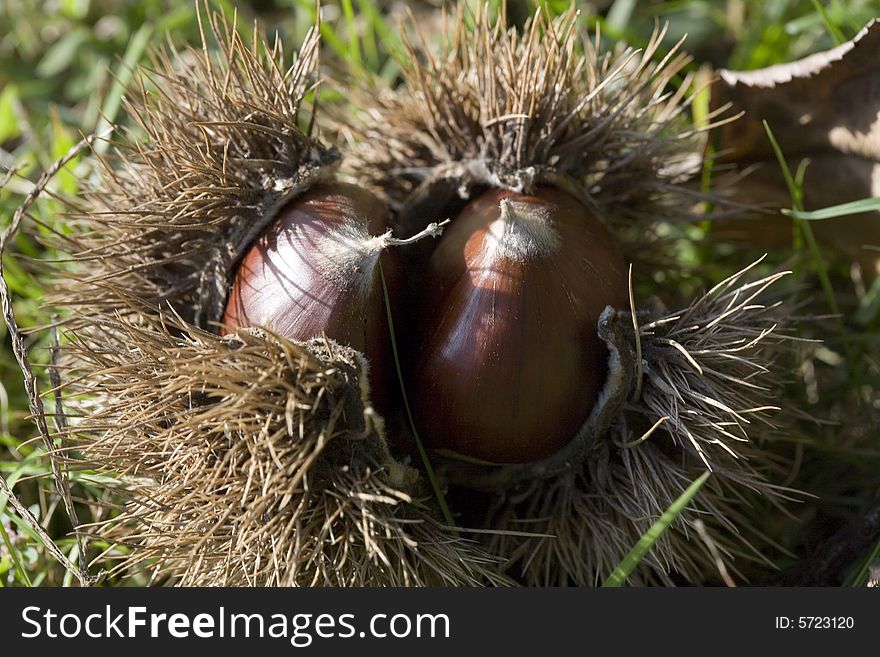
[510, 362]
[314, 271]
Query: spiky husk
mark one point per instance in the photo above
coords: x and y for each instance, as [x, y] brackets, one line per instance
[498, 108]
[220, 149]
[516, 110]
[248, 460]
[704, 404]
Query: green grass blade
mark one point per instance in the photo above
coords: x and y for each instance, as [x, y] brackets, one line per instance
[833, 29]
[9, 127]
[62, 53]
[869, 306]
[795, 189]
[423, 453]
[620, 14]
[73, 555]
[62, 142]
[701, 108]
[630, 561]
[370, 39]
[13, 555]
[354, 48]
[136, 47]
[834, 211]
[859, 578]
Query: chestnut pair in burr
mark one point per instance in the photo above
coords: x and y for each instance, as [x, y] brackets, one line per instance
[506, 363]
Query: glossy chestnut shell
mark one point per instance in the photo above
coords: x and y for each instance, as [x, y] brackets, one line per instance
[314, 271]
[510, 363]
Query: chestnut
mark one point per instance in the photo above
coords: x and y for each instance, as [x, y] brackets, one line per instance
[314, 271]
[510, 363]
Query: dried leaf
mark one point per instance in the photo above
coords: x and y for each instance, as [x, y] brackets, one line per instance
[824, 107]
[826, 102]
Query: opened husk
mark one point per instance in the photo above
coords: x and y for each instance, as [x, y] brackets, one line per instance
[693, 391]
[249, 459]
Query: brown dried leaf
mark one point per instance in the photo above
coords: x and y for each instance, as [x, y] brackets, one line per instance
[824, 107]
[827, 102]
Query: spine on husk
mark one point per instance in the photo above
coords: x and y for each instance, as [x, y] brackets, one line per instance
[583, 455]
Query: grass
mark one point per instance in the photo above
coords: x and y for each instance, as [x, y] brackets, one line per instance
[423, 453]
[630, 562]
[795, 183]
[63, 70]
[841, 210]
